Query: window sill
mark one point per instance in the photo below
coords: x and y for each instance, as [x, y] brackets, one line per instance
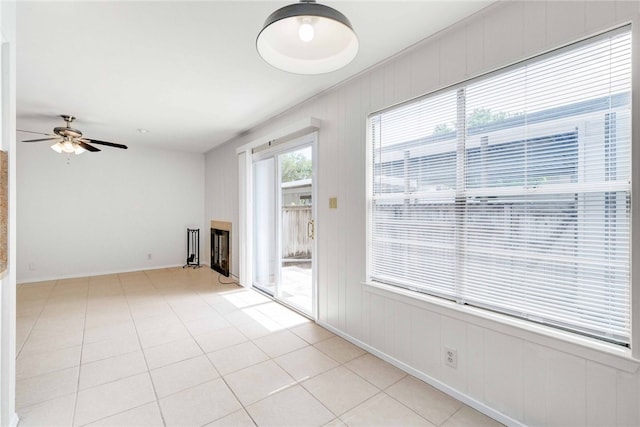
[588, 348]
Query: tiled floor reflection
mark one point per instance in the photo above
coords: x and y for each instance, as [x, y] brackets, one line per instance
[175, 347]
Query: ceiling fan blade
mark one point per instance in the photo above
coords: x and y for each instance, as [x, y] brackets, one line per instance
[37, 133]
[40, 139]
[110, 144]
[87, 146]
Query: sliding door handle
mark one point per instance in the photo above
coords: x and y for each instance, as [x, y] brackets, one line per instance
[311, 229]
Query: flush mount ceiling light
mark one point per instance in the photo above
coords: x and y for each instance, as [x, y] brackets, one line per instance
[307, 38]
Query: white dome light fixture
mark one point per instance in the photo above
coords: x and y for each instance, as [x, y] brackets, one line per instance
[307, 38]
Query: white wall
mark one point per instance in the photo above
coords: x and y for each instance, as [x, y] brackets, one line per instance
[517, 375]
[104, 212]
[8, 416]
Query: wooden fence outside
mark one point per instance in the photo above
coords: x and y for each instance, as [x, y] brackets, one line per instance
[295, 238]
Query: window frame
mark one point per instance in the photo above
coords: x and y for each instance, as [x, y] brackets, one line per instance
[633, 350]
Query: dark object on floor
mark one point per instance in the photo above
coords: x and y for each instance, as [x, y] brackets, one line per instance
[193, 248]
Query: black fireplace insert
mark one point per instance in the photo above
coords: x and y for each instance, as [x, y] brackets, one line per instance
[220, 251]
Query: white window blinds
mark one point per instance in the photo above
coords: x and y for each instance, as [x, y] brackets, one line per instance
[512, 192]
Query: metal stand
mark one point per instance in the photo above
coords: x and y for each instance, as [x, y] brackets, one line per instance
[193, 248]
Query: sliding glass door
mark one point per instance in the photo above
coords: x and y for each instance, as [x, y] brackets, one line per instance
[283, 224]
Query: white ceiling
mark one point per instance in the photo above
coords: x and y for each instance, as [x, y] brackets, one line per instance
[188, 72]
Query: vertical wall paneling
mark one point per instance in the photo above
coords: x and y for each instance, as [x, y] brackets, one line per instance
[566, 390]
[506, 20]
[376, 85]
[353, 213]
[453, 57]
[330, 182]
[601, 395]
[377, 321]
[626, 9]
[402, 78]
[389, 84]
[454, 336]
[323, 264]
[366, 317]
[534, 27]
[598, 14]
[475, 47]
[628, 411]
[565, 22]
[503, 366]
[425, 69]
[389, 327]
[475, 362]
[513, 374]
[401, 333]
[534, 393]
[341, 157]
[425, 341]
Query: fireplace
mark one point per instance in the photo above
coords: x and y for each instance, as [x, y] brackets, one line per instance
[220, 245]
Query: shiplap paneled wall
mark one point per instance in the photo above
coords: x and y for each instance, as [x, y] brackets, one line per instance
[513, 374]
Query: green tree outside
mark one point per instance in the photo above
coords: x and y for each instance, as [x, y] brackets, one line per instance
[479, 116]
[295, 166]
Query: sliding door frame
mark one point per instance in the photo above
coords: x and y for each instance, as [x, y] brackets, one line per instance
[247, 159]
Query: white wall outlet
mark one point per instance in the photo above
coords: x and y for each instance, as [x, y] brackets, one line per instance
[149, 257]
[32, 266]
[451, 357]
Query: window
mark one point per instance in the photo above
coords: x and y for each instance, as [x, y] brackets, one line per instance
[512, 192]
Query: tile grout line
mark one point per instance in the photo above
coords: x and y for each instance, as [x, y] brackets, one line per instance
[273, 359]
[402, 403]
[221, 377]
[192, 286]
[211, 363]
[84, 324]
[18, 352]
[144, 356]
[119, 379]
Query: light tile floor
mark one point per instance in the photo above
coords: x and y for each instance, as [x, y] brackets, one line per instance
[175, 347]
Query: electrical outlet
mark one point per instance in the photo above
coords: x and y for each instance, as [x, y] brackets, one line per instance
[451, 357]
[32, 266]
[149, 257]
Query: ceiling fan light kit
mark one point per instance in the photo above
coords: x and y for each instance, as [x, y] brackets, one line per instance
[67, 147]
[70, 140]
[307, 38]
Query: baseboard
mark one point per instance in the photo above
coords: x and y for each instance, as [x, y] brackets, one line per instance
[470, 401]
[14, 420]
[101, 273]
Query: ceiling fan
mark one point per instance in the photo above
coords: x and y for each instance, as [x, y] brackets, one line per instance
[70, 140]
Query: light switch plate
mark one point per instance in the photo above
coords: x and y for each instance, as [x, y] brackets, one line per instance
[333, 203]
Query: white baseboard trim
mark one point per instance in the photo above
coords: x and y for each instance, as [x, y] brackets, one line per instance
[475, 404]
[100, 273]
